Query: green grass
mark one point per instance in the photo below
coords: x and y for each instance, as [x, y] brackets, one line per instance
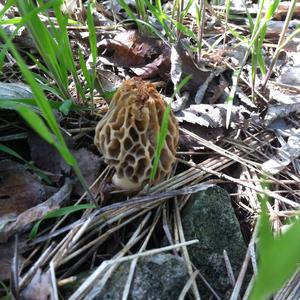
[64, 211]
[28, 164]
[279, 257]
[46, 126]
[54, 47]
[161, 137]
[254, 46]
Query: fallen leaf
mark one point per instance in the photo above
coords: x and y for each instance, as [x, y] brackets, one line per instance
[283, 8]
[15, 91]
[89, 164]
[290, 76]
[39, 287]
[283, 93]
[55, 164]
[214, 78]
[160, 66]
[280, 111]
[212, 115]
[147, 56]
[107, 81]
[188, 142]
[289, 151]
[6, 255]
[37, 212]
[19, 189]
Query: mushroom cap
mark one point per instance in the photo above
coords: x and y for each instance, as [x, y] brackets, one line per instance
[127, 134]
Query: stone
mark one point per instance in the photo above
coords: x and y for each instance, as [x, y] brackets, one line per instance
[157, 277]
[210, 218]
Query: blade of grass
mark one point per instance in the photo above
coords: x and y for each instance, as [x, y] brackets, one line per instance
[64, 211]
[279, 257]
[161, 17]
[160, 140]
[94, 50]
[66, 56]
[6, 7]
[46, 45]
[45, 108]
[28, 164]
[280, 42]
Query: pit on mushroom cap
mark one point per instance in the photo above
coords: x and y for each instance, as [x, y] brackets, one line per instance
[126, 135]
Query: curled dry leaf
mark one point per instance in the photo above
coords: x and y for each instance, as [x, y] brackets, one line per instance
[211, 115]
[285, 155]
[189, 67]
[148, 57]
[37, 212]
[215, 76]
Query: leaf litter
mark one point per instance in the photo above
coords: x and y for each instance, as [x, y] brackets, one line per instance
[263, 137]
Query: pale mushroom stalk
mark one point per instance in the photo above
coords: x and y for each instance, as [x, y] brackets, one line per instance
[127, 134]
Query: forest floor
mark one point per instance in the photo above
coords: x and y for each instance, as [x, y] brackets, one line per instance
[229, 74]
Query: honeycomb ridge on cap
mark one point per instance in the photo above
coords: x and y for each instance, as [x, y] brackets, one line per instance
[126, 136]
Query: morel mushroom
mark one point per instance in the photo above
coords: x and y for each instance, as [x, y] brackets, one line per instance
[127, 134]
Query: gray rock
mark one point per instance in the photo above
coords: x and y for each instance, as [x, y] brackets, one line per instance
[211, 219]
[157, 277]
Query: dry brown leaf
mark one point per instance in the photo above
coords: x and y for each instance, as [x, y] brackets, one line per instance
[217, 78]
[19, 189]
[89, 164]
[283, 8]
[147, 56]
[54, 163]
[37, 212]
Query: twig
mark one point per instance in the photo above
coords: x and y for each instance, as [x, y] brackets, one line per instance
[229, 268]
[54, 292]
[188, 285]
[185, 251]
